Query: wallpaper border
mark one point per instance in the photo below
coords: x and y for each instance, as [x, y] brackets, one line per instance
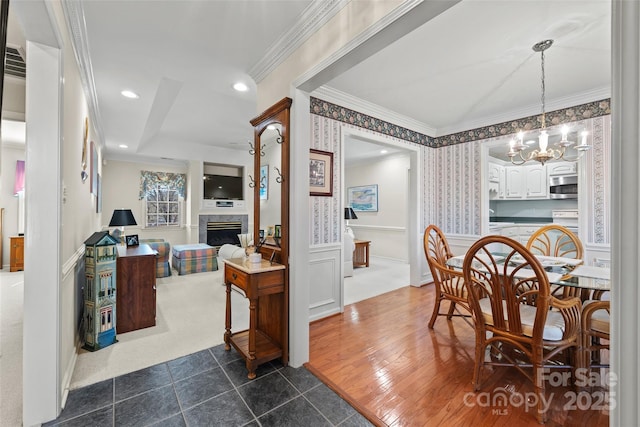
[565, 115]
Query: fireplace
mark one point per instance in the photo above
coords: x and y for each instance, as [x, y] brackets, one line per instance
[220, 233]
[217, 230]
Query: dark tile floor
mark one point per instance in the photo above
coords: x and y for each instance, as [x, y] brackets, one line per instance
[209, 388]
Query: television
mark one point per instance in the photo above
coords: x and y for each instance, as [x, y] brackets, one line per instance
[222, 187]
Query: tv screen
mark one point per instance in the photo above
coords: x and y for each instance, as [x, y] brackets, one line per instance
[222, 187]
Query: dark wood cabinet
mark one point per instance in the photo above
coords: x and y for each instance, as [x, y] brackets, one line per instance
[16, 256]
[135, 288]
[264, 285]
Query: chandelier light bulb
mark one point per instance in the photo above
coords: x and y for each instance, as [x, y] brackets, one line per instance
[544, 153]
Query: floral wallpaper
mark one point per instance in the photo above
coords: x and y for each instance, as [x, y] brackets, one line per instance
[175, 181]
[452, 166]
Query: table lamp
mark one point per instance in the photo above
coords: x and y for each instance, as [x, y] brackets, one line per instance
[122, 218]
[349, 214]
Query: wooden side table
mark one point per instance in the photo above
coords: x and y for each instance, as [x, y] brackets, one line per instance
[16, 259]
[361, 253]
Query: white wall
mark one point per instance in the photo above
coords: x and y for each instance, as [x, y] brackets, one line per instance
[121, 189]
[7, 200]
[387, 228]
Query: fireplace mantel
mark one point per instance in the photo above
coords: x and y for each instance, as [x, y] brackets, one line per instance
[204, 219]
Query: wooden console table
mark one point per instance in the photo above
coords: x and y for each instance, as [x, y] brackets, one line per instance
[16, 253]
[263, 284]
[361, 253]
[135, 288]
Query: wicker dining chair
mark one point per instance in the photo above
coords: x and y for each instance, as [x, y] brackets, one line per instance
[595, 333]
[448, 282]
[515, 315]
[558, 241]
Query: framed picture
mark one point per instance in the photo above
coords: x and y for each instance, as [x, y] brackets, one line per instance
[264, 182]
[363, 198]
[276, 231]
[94, 169]
[261, 234]
[132, 240]
[99, 196]
[320, 173]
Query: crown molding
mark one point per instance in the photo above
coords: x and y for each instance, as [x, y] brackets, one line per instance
[529, 110]
[77, 26]
[318, 13]
[338, 97]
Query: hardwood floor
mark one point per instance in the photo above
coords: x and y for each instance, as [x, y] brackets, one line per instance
[381, 356]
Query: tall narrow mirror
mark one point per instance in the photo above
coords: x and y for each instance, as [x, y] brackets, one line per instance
[270, 184]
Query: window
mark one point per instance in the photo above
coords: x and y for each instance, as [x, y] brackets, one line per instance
[163, 207]
[162, 194]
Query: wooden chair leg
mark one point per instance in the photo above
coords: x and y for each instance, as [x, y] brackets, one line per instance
[452, 307]
[436, 310]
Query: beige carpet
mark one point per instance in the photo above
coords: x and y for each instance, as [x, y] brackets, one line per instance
[11, 302]
[190, 312]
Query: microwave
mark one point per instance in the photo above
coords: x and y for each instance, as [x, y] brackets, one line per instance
[563, 187]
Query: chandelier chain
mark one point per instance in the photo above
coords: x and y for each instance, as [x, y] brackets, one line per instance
[542, 99]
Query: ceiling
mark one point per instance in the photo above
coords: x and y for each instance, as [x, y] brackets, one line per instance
[470, 66]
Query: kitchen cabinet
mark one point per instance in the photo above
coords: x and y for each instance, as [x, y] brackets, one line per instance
[515, 179]
[537, 186]
[497, 181]
[527, 182]
[562, 168]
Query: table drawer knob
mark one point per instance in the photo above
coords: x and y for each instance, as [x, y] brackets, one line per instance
[234, 275]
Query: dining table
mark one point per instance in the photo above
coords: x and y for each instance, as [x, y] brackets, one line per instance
[561, 271]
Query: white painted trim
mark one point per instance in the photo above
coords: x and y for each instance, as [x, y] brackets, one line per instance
[77, 27]
[70, 265]
[318, 13]
[625, 210]
[529, 110]
[378, 227]
[335, 96]
[307, 80]
[41, 369]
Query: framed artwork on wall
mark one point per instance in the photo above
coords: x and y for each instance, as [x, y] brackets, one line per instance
[320, 173]
[99, 196]
[94, 169]
[363, 198]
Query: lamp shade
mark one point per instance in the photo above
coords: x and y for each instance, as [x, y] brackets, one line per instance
[349, 214]
[122, 217]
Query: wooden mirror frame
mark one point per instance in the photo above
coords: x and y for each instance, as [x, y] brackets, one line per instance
[277, 323]
[278, 113]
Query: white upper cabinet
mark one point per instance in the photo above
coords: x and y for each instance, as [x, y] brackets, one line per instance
[527, 182]
[496, 181]
[562, 168]
[537, 184]
[515, 178]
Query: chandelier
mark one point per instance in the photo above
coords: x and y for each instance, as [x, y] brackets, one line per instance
[543, 153]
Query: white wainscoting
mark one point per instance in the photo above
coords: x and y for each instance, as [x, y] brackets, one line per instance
[386, 241]
[460, 243]
[325, 283]
[595, 254]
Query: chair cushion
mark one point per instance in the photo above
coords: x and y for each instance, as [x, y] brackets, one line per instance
[553, 329]
[600, 319]
[458, 285]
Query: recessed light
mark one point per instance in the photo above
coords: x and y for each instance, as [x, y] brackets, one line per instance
[241, 87]
[130, 94]
[383, 151]
[123, 146]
